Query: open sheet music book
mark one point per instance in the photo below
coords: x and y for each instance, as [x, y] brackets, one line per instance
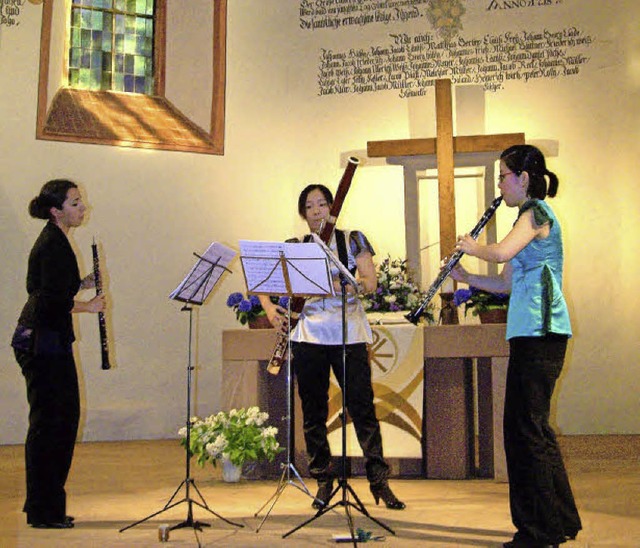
[282, 268]
[204, 275]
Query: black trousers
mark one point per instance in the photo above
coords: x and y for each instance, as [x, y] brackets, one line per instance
[542, 504]
[54, 413]
[312, 364]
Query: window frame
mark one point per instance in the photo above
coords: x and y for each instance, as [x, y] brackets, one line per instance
[217, 123]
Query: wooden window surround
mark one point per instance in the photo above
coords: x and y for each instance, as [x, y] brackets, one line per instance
[131, 119]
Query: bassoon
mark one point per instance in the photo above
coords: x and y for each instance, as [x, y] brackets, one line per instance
[414, 315]
[104, 343]
[297, 303]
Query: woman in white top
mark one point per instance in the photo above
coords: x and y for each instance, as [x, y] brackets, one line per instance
[317, 348]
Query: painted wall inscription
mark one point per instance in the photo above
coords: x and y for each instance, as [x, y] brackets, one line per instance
[10, 12]
[411, 64]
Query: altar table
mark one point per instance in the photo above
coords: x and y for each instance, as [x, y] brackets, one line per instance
[464, 379]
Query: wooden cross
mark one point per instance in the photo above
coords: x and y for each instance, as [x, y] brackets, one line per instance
[416, 154]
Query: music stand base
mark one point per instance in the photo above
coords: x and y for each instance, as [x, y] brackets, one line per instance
[285, 480]
[189, 522]
[344, 487]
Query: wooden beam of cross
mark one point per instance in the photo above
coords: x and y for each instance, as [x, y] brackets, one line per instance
[445, 147]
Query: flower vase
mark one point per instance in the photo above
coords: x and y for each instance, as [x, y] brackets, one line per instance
[231, 472]
[261, 322]
[496, 315]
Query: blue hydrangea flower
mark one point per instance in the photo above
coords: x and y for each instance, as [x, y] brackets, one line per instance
[234, 299]
[461, 296]
[254, 300]
[244, 306]
[283, 302]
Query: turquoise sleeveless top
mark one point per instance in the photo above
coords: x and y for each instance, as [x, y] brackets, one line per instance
[537, 305]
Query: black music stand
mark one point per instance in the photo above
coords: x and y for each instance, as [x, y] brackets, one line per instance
[193, 290]
[343, 486]
[274, 269]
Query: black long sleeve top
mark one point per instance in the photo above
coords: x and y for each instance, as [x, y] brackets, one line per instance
[53, 280]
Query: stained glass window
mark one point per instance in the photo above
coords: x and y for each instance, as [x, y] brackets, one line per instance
[111, 45]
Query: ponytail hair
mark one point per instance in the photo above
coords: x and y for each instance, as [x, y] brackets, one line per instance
[519, 158]
[52, 194]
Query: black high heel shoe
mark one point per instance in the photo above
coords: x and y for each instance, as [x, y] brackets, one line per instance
[384, 492]
[325, 488]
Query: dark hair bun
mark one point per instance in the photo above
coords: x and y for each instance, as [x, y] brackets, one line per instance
[52, 194]
[37, 209]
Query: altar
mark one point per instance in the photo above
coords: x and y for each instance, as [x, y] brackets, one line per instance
[463, 378]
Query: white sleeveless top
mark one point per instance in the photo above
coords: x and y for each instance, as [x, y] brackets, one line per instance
[320, 321]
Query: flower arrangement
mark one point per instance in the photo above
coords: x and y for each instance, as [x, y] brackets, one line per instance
[478, 300]
[240, 435]
[396, 290]
[250, 308]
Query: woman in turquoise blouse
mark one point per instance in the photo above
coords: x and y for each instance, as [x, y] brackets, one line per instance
[543, 509]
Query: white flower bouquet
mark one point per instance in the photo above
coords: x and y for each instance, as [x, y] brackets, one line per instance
[239, 436]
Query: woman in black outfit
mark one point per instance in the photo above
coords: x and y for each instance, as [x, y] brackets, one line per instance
[42, 346]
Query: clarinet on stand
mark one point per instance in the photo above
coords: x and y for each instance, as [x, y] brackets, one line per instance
[104, 343]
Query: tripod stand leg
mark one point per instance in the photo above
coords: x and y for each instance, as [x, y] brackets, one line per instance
[285, 479]
[189, 522]
[205, 506]
[282, 484]
[303, 487]
[148, 517]
[361, 508]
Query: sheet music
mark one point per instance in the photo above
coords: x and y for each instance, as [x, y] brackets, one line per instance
[204, 275]
[306, 265]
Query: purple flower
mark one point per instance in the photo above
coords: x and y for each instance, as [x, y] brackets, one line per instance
[394, 307]
[283, 302]
[244, 306]
[234, 299]
[254, 300]
[462, 296]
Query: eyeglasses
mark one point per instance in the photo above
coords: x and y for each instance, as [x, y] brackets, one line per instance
[502, 176]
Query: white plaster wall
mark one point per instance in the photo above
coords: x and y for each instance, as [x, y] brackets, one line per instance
[152, 209]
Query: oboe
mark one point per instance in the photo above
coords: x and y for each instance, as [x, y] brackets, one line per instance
[104, 343]
[414, 315]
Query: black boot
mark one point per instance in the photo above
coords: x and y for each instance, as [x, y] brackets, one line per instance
[325, 488]
[384, 492]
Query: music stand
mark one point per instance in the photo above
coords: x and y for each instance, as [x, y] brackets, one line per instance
[193, 290]
[343, 486]
[291, 270]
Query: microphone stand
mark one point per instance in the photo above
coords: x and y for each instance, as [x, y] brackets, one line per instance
[343, 484]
